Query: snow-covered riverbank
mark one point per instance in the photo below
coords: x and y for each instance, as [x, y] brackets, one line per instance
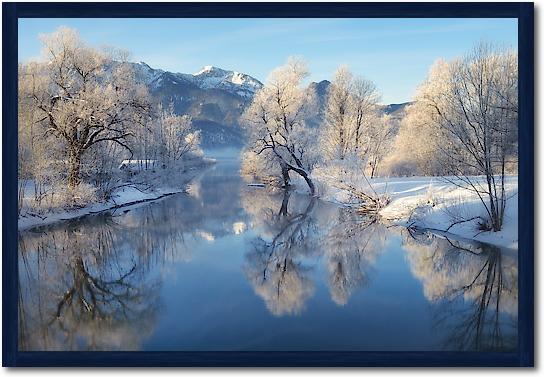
[123, 197]
[435, 204]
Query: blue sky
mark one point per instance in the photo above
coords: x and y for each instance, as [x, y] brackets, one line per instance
[394, 53]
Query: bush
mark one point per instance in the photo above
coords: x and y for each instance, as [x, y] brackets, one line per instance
[77, 197]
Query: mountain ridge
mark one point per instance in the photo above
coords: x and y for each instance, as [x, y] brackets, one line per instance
[209, 77]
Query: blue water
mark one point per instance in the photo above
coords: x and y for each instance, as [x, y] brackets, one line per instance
[232, 267]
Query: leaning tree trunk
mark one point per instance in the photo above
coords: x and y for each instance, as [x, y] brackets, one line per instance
[74, 167]
[304, 175]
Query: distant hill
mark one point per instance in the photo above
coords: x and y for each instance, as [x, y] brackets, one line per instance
[318, 92]
[396, 110]
[395, 107]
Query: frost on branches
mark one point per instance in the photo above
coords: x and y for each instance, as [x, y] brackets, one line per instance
[275, 124]
[81, 113]
[463, 125]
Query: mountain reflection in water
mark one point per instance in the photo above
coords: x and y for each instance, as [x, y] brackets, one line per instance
[231, 267]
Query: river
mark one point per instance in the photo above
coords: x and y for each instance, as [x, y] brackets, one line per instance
[231, 267]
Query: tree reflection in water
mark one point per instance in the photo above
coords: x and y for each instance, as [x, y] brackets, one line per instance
[93, 285]
[274, 266]
[292, 234]
[474, 287]
[352, 244]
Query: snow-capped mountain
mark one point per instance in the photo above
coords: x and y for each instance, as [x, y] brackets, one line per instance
[209, 77]
[215, 98]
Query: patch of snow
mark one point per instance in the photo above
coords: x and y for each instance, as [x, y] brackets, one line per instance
[127, 196]
[141, 164]
[205, 69]
[239, 227]
[237, 78]
[206, 235]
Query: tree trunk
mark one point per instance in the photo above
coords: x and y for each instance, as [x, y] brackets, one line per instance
[357, 139]
[373, 168]
[74, 165]
[309, 183]
[285, 175]
[304, 175]
[495, 217]
[285, 203]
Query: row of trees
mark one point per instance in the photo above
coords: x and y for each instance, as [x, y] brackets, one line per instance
[281, 141]
[82, 111]
[462, 124]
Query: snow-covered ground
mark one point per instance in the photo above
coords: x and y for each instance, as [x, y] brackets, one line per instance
[124, 196]
[434, 203]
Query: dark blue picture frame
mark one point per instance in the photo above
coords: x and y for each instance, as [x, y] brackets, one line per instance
[524, 12]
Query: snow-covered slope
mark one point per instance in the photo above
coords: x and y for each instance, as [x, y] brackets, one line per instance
[438, 204]
[145, 73]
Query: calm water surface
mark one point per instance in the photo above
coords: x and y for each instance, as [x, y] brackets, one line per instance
[232, 267]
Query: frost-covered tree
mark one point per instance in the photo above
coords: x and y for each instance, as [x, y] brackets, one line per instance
[416, 149]
[38, 154]
[80, 102]
[351, 127]
[337, 132]
[472, 104]
[377, 141]
[275, 122]
[364, 99]
[175, 136]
